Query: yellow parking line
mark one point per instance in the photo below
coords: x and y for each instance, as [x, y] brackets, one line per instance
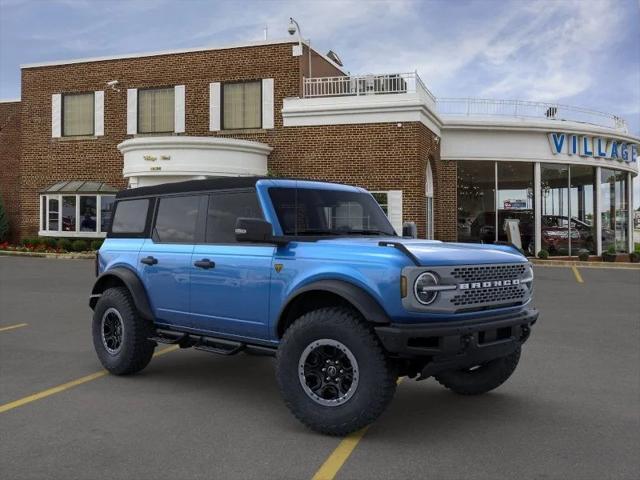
[66, 386]
[339, 456]
[11, 327]
[576, 273]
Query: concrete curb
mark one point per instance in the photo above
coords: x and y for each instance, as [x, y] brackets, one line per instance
[62, 256]
[576, 263]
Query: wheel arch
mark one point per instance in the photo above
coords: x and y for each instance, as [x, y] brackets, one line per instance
[324, 293]
[123, 277]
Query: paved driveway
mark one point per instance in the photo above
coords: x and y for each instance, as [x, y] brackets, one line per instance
[570, 411]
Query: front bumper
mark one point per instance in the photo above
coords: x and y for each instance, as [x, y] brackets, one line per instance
[452, 345]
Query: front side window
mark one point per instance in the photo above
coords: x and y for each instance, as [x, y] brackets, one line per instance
[130, 216]
[78, 114]
[156, 110]
[176, 219]
[241, 105]
[224, 210]
[307, 211]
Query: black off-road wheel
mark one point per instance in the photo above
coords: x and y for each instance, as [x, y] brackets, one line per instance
[120, 335]
[332, 372]
[480, 378]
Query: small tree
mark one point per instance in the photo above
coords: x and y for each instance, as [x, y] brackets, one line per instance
[4, 223]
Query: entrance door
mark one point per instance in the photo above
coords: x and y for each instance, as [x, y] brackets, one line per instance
[230, 282]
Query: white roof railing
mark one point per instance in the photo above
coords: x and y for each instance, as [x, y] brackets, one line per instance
[525, 109]
[370, 84]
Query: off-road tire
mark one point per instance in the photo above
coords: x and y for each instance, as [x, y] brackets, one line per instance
[136, 350]
[481, 380]
[377, 376]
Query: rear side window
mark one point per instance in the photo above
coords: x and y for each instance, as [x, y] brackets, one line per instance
[130, 216]
[177, 219]
[224, 210]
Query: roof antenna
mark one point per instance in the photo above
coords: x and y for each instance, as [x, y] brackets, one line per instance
[266, 32]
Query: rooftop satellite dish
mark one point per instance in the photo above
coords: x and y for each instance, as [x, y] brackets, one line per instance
[333, 56]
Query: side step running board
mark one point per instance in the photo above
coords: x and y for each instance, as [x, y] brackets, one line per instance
[169, 337]
[221, 346]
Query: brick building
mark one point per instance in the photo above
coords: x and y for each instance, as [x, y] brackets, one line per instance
[85, 128]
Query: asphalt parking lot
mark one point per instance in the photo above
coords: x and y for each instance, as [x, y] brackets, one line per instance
[571, 410]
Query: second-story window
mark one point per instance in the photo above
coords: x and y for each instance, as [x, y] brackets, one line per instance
[156, 110]
[78, 114]
[242, 105]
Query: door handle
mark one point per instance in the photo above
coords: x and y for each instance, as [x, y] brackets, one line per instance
[149, 260]
[205, 263]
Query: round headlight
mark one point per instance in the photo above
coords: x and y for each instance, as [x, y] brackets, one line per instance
[423, 288]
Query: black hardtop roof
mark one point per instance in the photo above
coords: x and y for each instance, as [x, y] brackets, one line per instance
[221, 183]
[209, 184]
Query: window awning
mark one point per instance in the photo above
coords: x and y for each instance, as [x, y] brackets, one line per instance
[79, 187]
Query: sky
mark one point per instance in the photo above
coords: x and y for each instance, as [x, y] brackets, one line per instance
[577, 52]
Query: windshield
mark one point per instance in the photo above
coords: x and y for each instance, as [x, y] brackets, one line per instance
[305, 211]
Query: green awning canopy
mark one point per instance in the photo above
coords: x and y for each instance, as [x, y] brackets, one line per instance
[80, 186]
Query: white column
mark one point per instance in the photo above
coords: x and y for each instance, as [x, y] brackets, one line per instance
[597, 217]
[630, 211]
[537, 207]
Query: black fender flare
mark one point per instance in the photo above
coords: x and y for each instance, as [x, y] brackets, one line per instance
[133, 284]
[368, 306]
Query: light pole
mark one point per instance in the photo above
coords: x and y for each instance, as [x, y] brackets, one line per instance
[293, 28]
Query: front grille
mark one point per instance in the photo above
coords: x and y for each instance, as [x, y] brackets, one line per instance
[509, 294]
[479, 273]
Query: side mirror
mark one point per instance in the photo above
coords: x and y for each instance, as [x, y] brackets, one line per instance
[255, 230]
[409, 230]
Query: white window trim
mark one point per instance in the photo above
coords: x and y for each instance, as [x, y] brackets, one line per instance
[77, 233]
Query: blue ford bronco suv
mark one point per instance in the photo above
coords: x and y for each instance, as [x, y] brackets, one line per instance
[314, 274]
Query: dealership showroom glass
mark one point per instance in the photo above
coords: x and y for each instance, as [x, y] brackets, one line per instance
[458, 168]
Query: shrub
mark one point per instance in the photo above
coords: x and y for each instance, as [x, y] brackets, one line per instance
[4, 223]
[96, 244]
[634, 257]
[33, 241]
[64, 244]
[49, 242]
[543, 254]
[79, 245]
[611, 250]
[583, 255]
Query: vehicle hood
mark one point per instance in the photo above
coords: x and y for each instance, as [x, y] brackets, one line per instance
[433, 252]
